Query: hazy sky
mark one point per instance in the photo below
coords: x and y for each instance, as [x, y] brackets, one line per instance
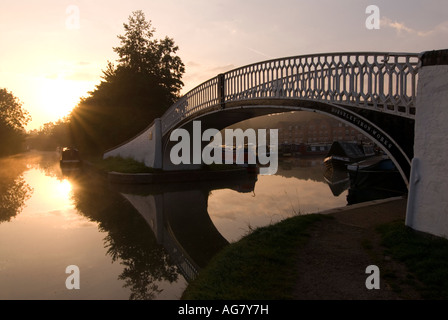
[52, 52]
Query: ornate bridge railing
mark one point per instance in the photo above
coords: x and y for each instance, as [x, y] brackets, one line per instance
[385, 82]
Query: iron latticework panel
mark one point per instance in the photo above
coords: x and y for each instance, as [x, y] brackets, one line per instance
[384, 82]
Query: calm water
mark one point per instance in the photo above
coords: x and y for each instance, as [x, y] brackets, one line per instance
[135, 242]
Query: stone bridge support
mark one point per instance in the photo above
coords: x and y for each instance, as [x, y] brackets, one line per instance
[427, 208]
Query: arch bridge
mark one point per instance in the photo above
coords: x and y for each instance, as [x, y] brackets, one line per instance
[375, 92]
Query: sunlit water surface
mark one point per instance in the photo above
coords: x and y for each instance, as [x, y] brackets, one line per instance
[50, 220]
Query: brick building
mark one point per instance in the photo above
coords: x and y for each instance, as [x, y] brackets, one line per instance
[317, 131]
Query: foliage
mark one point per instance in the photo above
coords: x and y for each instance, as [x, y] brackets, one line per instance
[50, 136]
[13, 120]
[140, 53]
[143, 84]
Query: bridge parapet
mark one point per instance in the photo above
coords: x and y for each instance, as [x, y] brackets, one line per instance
[381, 81]
[204, 97]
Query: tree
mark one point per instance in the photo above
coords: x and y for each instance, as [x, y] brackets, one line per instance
[13, 120]
[143, 83]
[140, 53]
[136, 44]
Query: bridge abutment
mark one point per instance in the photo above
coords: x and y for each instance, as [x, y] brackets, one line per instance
[146, 147]
[427, 208]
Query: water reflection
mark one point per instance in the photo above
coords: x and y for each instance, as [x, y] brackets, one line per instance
[178, 216]
[377, 185]
[194, 221]
[14, 191]
[298, 187]
[158, 237]
[69, 218]
[338, 180]
[128, 239]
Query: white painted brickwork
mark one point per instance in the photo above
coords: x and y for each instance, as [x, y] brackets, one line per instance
[428, 196]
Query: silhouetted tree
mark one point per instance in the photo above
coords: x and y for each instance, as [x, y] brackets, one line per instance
[140, 53]
[145, 81]
[13, 120]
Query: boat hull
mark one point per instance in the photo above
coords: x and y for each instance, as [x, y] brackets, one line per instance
[377, 174]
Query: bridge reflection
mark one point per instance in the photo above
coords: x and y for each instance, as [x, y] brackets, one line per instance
[177, 214]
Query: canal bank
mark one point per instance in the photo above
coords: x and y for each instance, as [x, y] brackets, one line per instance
[122, 173]
[175, 176]
[329, 264]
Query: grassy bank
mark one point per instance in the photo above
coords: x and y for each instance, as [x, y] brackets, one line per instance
[425, 256]
[123, 165]
[259, 266]
[262, 265]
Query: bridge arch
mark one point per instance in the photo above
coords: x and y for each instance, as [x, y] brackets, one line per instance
[220, 119]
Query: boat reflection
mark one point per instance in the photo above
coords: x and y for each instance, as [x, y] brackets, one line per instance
[367, 180]
[373, 179]
[338, 180]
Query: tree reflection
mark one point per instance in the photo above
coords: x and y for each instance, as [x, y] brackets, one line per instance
[14, 191]
[144, 269]
[129, 238]
[13, 196]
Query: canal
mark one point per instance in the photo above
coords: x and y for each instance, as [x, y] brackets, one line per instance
[135, 241]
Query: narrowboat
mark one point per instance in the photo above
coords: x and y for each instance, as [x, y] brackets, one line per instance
[342, 153]
[377, 172]
[70, 157]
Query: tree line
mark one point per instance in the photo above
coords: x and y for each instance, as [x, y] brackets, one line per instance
[13, 119]
[138, 87]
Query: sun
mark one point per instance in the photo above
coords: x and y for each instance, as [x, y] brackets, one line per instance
[49, 99]
[58, 97]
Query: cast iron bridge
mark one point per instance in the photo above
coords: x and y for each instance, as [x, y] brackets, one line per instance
[375, 92]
